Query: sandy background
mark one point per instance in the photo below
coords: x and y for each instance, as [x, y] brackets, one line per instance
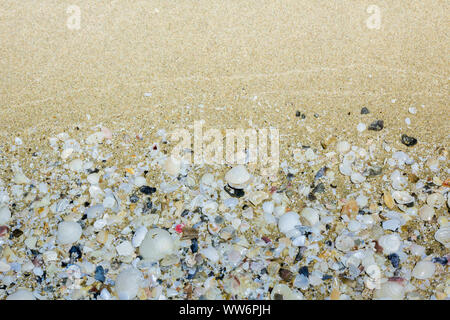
[241, 61]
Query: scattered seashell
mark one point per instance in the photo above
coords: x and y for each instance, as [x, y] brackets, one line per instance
[68, 232]
[436, 200]
[210, 253]
[288, 222]
[127, 283]
[343, 146]
[157, 244]
[172, 166]
[390, 290]
[350, 208]
[310, 215]
[21, 294]
[443, 236]
[344, 243]
[5, 215]
[237, 177]
[402, 197]
[426, 212]
[390, 243]
[423, 270]
[388, 200]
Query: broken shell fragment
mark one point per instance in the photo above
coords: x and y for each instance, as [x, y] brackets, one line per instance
[423, 270]
[443, 236]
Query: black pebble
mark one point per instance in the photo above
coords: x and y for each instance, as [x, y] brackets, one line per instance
[377, 125]
[304, 271]
[194, 245]
[99, 274]
[76, 252]
[147, 190]
[440, 260]
[364, 110]
[408, 141]
[298, 113]
[236, 193]
[134, 198]
[395, 260]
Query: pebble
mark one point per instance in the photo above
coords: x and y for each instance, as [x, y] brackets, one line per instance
[343, 146]
[139, 236]
[364, 110]
[377, 125]
[426, 212]
[390, 243]
[172, 166]
[310, 216]
[361, 127]
[156, 245]
[210, 253]
[68, 232]
[408, 141]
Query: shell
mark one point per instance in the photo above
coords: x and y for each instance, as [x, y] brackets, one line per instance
[310, 216]
[435, 200]
[390, 290]
[237, 177]
[423, 270]
[443, 236]
[426, 212]
[156, 245]
[402, 197]
[172, 166]
[398, 181]
[390, 243]
[288, 221]
[127, 283]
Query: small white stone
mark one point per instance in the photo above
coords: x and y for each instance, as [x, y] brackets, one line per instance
[21, 294]
[140, 181]
[93, 178]
[412, 110]
[5, 215]
[156, 245]
[390, 290]
[237, 177]
[66, 153]
[68, 232]
[18, 141]
[49, 256]
[342, 146]
[139, 236]
[344, 243]
[288, 221]
[20, 178]
[435, 200]
[125, 248]
[127, 283]
[310, 215]
[172, 166]
[210, 253]
[4, 266]
[268, 207]
[361, 127]
[310, 155]
[357, 177]
[76, 165]
[423, 270]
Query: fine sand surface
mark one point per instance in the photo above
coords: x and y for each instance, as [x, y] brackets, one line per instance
[263, 60]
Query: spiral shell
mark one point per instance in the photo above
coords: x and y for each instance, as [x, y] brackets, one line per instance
[443, 236]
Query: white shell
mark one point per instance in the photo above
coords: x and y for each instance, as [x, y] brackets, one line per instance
[237, 177]
[139, 236]
[288, 222]
[398, 181]
[423, 270]
[390, 243]
[68, 232]
[344, 243]
[285, 292]
[21, 294]
[443, 236]
[127, 283]
[172, 166]
[435, 200]
[310, 215]
[156, 245]
[5, 215]
[402, 197]
[426, 212]
[390, 290]
[210, 253]
[76, 165]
